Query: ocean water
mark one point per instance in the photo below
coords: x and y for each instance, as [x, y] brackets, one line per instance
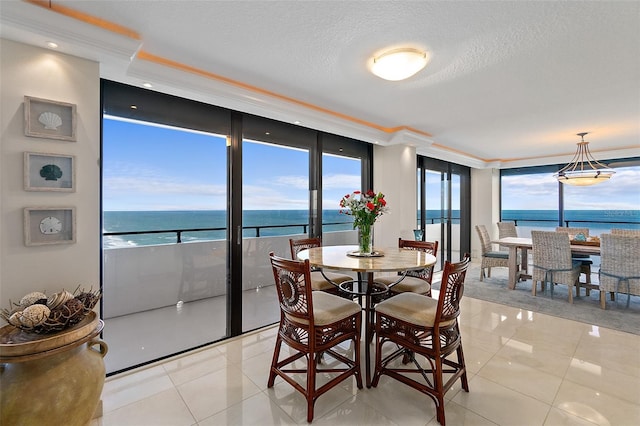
[286, 222]
[263, 223]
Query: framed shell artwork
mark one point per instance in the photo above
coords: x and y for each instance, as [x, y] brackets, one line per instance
[44, 118]
[49, 172]
[49, 225]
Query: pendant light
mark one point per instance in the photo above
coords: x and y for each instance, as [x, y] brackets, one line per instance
[584, 170]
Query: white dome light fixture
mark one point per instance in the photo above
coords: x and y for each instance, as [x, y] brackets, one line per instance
[399, 64]
[584, 170]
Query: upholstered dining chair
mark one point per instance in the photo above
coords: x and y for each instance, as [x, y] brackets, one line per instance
[418, 281]
[619, 266]
[626, 232]
[318, 280]
[552, 262]
[490, 257]
[584, 259]
[424, 328]
[311, 323]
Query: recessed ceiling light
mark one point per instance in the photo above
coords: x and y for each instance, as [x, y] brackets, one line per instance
[399, 64]
[52, 45]
[133, 107]
[147, 85]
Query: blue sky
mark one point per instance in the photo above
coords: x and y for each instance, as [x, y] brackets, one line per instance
[539, 192]
[159, 168]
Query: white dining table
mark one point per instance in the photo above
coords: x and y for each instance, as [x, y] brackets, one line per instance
[525, 244]
[387, 260]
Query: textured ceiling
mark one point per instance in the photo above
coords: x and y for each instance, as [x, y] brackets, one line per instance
[508, 83]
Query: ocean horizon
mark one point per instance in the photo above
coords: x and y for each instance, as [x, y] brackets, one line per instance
[286, 222]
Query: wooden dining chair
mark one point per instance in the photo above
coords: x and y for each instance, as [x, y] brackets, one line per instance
[415, 281]
[490, 258]
[312, 323]
[552, 262]
[424, 329]
[318, 277]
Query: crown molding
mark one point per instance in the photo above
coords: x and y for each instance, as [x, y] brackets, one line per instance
[35, 25]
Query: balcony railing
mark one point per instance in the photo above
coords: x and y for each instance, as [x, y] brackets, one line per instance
[574, 221]
[257, 228]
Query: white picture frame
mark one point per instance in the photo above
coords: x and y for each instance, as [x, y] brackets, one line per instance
[49, 225]
[49, 172]
[44, 118]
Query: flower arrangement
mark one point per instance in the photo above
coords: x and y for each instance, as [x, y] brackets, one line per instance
[365, 209]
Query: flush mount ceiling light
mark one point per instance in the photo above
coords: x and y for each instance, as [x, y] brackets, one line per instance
[399, 64]
[584, 170]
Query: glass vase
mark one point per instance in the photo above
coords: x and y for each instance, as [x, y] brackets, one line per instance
[366, 246]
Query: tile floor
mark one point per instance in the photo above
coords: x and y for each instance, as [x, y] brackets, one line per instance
[524, 369]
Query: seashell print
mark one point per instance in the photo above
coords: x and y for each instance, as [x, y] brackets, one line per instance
[50, 120]
[51, 172]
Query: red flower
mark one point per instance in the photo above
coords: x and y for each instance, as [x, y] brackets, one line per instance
[365, 207]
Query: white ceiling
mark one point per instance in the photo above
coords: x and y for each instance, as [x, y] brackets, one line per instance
[509, 83]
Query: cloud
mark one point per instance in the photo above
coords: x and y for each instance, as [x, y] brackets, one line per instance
[297, 182]
[341, 181]
[267, 198]
[159, 186]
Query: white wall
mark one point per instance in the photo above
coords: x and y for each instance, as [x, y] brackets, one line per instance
[42, 73]
[394, 174]
[485, 205]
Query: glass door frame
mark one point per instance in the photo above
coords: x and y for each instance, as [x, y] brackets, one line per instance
[447, 170]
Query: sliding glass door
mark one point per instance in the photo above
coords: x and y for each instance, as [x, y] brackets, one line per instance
[164, 203]
[444, 207]
[194, 198]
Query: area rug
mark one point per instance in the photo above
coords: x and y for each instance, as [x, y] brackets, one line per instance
[586, 309]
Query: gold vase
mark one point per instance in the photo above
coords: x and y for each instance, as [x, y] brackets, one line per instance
[51, 379]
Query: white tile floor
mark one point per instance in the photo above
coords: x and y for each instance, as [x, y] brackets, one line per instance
[524, 369]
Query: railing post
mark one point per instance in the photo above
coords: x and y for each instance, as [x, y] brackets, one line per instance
[179, 237]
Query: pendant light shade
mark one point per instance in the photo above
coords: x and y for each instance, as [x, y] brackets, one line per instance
[399, 64]
[584, 170]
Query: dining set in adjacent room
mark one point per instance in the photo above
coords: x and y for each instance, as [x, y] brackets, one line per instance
[566, 257]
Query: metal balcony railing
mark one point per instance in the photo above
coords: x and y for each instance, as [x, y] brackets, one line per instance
[257, 228]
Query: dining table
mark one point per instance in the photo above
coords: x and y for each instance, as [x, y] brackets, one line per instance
[526, 244]
[347, 258]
